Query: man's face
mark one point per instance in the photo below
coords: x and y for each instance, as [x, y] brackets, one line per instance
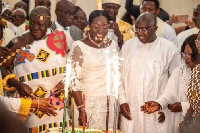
[145, 31]
[46, 3]
[65, 15]
[8, 15]
[111, 9]
[196, 17]
[38, 28]
[149, 6]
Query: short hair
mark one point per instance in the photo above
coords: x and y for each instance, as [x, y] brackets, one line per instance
[191, 42]
[97, 13]
[156, 2]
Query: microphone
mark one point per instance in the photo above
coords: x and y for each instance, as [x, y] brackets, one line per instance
[12, 42]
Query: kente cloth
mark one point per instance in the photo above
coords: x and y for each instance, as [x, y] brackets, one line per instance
[176, 91]
[145, 71]
[90, 72]
[42, 66]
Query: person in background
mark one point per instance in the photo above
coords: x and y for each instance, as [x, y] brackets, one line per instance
[65, 13]
[164, 30]
[174, 96]
[80, 19]
[183, 35]
[46, 3]
[22, 5]
[135, 11]
[7, 13]
[5, 34]
[20, 25]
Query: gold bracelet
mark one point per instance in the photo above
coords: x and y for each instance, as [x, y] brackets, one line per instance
[5, 80]
[38, 104]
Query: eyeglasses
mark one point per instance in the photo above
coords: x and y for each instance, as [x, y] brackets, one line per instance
[68, 13]
[143, 30]
[18, 16]
[185, 55]
[197, 42]
[7, 15]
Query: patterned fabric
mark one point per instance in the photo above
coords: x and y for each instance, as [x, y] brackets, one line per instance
[42, 74]
[44, 127]
[194, 91]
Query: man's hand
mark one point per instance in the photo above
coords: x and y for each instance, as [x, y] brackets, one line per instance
[125, 110]
[24, 90]
[176, 107]
[150, 107]
[161, 118]
[117, 32]
[4, 52]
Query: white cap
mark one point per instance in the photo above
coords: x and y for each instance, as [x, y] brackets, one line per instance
[111, 1]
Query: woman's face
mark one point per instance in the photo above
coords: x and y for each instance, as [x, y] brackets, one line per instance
[80, 20]
[99, 28]
[8, 15]
[187, 56]
[19, 18]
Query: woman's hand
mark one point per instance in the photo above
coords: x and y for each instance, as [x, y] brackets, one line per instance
[44, 106]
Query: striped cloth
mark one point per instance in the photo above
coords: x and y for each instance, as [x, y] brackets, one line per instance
[42, 74]
[45, 127]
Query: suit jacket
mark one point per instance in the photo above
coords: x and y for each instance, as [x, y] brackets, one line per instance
[75, 32]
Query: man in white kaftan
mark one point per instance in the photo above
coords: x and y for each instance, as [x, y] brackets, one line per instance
[183, 35]
[148, 62]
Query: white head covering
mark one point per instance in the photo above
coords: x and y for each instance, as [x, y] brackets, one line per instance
[5, 7]
[111, 1]
[21, 10]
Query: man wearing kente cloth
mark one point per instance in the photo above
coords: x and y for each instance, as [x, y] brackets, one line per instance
[119, 30]
[40, 67]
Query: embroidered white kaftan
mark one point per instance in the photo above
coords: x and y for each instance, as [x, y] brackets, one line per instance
[145, 72]
[90, 78]
[176, 91]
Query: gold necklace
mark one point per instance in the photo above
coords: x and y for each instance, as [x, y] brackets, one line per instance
[95, 42]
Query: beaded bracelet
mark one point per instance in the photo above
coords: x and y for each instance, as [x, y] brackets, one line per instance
[5, 80]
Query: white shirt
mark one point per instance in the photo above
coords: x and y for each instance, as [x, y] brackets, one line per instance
[176, 91]
[60, 26]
